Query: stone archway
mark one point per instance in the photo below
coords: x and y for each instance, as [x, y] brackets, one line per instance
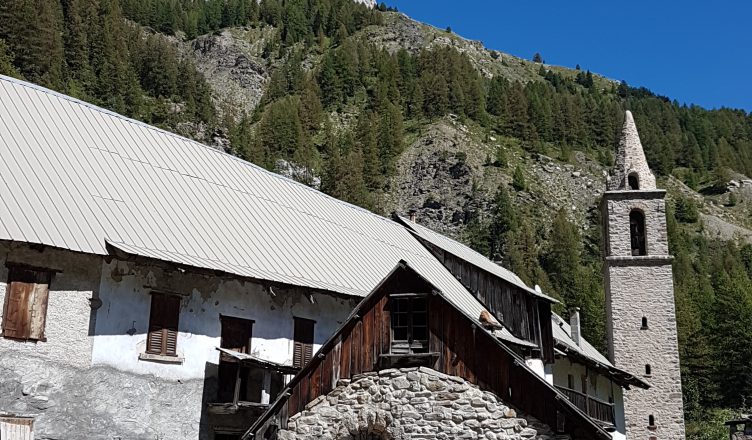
[400, 404]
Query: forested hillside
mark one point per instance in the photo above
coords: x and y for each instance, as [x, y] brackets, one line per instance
[348, 90]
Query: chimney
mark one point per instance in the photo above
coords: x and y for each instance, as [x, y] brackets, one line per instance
[413, 216]
[574, 324]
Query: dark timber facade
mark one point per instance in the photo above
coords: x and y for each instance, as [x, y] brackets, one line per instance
[456, 346]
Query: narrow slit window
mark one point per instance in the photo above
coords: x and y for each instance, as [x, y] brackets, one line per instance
[651, 420]
[644, 323]
[409, 320]
[163, 325]
[647, 370]
[637, 232]
[25, 308]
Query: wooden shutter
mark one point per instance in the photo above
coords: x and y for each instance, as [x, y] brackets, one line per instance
[163, 325]
[25, 309]
[303, 342]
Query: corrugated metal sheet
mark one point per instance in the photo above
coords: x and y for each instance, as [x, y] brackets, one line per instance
[466, 253]
[78, 177]
[562, 334]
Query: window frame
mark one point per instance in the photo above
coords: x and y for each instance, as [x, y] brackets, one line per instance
[29, 287]
[166, 328]
[411, 344]
[302, 352]
[226, 322]
[638, 217]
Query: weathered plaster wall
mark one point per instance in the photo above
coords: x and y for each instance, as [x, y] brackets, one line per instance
[68, 310]
[125, 293]
[599, 387]
[410, 404]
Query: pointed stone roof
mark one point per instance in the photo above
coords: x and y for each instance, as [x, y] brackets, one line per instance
[630, 160]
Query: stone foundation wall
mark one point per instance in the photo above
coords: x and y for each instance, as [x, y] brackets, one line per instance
[417, 403]
[99, 403]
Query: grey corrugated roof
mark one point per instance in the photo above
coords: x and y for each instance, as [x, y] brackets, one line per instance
[585, 352]
[562, 334]
[468, 254]
[79, 177]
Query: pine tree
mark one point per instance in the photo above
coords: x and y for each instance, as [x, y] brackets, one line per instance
[518, 179]
[562, 262]
[6, 61]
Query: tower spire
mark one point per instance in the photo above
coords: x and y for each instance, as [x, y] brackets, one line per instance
[631, 170]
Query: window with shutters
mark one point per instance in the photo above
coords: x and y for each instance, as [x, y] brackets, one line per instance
[25, 308]
[236, 334]
[409, 325]
[303, 342]
[163, 325]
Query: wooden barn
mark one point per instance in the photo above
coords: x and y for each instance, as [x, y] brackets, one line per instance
[404, 323]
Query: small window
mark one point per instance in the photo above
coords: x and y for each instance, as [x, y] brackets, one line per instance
[570, 381]
[651, 421]
[303, 342]
[409, 325]
[633, 180]
[644, 323]
[163, 325]
[236, 334]
[25, 309]
[647, 369]
[637, 232]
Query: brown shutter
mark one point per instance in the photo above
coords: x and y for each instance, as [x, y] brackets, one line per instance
[15, 315]
[38, 302]
[163, 325]
[303, 346]
[25, 308]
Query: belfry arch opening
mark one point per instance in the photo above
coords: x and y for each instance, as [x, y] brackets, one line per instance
[637, 232]
[633, 181]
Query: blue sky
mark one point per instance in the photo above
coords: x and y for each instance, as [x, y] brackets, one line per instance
[693, 51]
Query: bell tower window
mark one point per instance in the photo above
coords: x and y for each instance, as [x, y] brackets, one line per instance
[637, 232]
[633, 180]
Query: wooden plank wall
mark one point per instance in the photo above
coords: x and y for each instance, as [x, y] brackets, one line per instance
[524, 315]
[463, 350]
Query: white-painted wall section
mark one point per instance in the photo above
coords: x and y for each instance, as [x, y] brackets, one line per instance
[67, 325]
[123, 319]
[600, 387]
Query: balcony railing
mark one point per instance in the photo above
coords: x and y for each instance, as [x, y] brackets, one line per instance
[595, 408]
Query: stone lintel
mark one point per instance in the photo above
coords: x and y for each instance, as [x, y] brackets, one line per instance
[640, 260]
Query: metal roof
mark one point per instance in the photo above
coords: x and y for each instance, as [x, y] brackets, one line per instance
[587, 353]
[466, 253]
[562, 334]
[78, 177]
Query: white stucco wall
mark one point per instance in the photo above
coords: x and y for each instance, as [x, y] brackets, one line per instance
[125, 293]
[68, 310]
[600, 387]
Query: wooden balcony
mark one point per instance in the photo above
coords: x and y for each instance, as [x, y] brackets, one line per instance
[597, 409]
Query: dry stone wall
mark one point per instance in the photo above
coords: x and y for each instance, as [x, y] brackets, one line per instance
[412, 403]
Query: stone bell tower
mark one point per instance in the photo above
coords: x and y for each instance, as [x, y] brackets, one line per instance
[641, 320]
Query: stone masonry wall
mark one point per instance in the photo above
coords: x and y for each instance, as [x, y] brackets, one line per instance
[619, 239]
[638, 291]
[411, 403]
[99, 403]
[638, 287]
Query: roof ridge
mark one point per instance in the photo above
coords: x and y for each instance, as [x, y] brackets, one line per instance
[111, 113]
